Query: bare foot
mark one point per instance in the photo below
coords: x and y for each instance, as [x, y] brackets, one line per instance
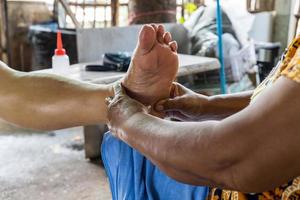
[153, 67]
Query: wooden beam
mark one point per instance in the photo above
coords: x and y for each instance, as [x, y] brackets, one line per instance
[94, 4]
[70, 13]
[115, 12]
[199, 2]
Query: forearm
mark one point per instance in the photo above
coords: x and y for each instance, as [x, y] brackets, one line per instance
[173, 145]
[222, 106]
[48, 102]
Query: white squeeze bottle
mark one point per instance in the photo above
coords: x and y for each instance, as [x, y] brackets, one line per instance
[60, 60]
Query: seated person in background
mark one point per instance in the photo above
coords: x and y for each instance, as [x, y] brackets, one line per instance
[239, 145]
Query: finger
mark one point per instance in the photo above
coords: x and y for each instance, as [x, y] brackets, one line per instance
[173, 45]
[114, 104]
[160, 33]
[159, 107]
[167, 38]
[108, 100]
[172, 104]
[180, 89]
[173, 91]
[169, 104]
[176, 90]
[153, 112]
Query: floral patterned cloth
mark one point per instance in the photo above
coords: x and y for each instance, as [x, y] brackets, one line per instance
[288, 66]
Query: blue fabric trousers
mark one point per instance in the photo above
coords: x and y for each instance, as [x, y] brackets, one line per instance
[133, 177]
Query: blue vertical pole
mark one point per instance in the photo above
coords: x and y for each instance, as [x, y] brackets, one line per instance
[220, 47]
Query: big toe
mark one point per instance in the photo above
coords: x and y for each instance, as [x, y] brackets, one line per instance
[147, 39]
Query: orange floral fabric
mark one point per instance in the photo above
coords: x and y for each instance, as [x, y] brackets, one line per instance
[292, 70]
[288, 66]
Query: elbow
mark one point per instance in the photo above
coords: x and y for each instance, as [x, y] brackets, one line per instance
[246, 179]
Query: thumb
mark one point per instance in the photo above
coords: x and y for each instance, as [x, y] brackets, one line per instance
[169, 104]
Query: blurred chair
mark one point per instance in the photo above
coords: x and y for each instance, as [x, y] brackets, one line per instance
[267, 52]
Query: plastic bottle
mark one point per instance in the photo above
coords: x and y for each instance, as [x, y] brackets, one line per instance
[60, 60]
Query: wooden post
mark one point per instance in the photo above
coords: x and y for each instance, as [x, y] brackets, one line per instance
[2, 32]
[4, 37]
[115, 12]
[199, 2]
[155, 11]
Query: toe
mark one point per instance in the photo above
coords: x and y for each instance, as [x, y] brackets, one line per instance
[160, 33]
[147, 39]
[167, 38]
[155, 27]
[173, 45]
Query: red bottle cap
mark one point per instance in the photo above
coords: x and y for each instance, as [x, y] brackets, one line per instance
[59, 51]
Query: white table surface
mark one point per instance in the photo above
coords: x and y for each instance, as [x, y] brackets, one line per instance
[188, 65]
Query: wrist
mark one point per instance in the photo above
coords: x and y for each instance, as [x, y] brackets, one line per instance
[202, 104]
[212, 105]
[219, 107]
[136, 126]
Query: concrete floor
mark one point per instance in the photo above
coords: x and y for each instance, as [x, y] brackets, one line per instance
[47, 166]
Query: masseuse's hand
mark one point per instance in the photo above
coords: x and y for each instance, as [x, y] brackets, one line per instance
[185, 105]
[120, 109]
